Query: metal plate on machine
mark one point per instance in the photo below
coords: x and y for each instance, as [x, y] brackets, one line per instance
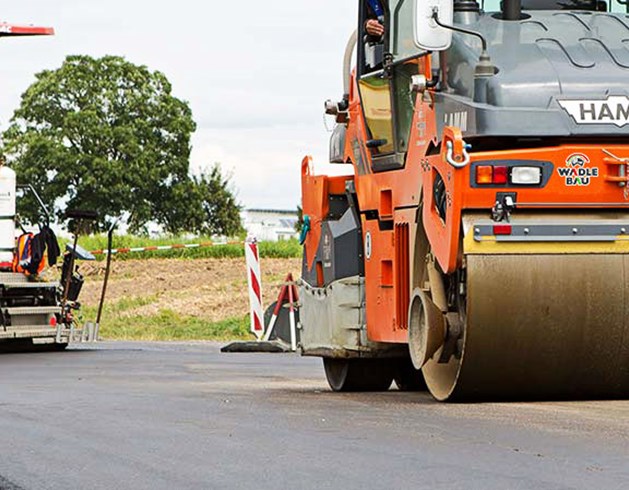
[544, 231]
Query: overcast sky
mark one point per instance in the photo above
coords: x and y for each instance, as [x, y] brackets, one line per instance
[256, 73]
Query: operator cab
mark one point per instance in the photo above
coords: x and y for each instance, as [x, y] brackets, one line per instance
[373, 45]
[384, 82]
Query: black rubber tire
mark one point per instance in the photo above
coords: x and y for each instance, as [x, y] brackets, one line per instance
[407, 378]
[359, 374]
[16, 346]
[26, 345]
[54, 347]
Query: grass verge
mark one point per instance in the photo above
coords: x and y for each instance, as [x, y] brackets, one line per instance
[166, 325]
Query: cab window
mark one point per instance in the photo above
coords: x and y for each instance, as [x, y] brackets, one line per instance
[373, 82]
[402, 32]
[375, 91]
[387, 101]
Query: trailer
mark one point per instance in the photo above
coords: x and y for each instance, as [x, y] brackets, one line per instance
[35, 311]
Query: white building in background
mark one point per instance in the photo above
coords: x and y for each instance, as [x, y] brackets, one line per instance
[270, 224]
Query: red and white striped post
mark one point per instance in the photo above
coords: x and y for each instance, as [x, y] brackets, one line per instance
[291, 305]
[255, 287]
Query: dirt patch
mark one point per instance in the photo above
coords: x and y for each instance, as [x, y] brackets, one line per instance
[212, 289]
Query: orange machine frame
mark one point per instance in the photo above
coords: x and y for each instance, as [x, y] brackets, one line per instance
[396, 198]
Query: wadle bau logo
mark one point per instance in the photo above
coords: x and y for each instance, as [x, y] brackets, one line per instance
[613, 110]
[575, 173]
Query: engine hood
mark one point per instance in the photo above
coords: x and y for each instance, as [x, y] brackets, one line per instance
[558, 73]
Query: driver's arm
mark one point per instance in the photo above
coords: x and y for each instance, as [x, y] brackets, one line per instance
[374, 28]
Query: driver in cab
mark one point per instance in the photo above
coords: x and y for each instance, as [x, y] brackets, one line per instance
[374, 28]
[375, 18]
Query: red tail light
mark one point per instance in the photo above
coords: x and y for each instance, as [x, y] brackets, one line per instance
[492, 175]
[502, 229]
[501, 175]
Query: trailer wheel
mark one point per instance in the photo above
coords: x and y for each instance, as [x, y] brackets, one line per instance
[26, 345]
[407, 378]
[54, 347]
[358, 374]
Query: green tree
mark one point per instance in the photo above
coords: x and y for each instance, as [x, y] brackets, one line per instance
[108, 135]
[212, 208]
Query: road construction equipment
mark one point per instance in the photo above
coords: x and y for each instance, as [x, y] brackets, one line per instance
[35, 312]
[482, 233]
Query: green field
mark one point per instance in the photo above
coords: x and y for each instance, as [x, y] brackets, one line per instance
[166, 325]
[278, 250]
[183, 294]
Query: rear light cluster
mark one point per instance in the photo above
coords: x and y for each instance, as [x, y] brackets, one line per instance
[504, 175]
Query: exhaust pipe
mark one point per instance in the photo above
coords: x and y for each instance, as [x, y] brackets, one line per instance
[347, 63]
[512, 10]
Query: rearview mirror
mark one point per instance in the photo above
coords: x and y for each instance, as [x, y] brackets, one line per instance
[428, 35]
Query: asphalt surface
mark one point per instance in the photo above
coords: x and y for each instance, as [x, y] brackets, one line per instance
[181, 416]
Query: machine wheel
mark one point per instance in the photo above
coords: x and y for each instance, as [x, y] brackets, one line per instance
[358, 374]
[26, 345]
[407, 378]
[538, 327]
[53, 347]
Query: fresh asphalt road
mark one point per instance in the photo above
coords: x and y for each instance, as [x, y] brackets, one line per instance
[180, 416]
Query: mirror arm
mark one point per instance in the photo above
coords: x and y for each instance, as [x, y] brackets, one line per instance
[435, 17]
[484, 68]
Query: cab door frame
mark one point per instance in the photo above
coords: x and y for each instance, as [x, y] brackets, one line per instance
[394, 159]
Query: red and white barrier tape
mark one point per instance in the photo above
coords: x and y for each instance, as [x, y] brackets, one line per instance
[254, 278]
[159, 248]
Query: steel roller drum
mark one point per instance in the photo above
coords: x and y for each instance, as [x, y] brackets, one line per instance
[541, 327]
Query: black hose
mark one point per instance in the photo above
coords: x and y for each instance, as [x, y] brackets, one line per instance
[435, 17]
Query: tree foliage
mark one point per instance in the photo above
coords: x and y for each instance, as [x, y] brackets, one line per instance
[108, 135]
[211, 207]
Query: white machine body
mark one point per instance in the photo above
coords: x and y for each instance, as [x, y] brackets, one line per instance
[8, 189]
